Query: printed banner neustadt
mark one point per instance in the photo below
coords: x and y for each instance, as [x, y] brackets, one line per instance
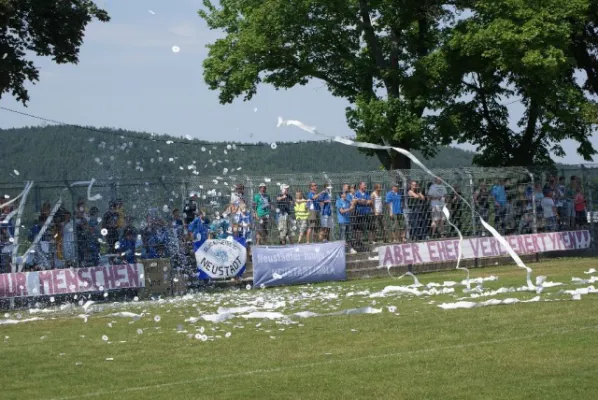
[65, 281]
[220, 258]
[447, 250]
[303, 263]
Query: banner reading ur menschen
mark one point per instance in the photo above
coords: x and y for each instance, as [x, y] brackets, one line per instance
[303, 263]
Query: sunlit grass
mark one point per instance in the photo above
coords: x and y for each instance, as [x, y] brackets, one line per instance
[534, 350]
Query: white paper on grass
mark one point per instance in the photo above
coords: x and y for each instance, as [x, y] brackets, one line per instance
[590, 271]
[263, 315]
[235, 310]
[580, 291]
[415, 160]
[217, 317]
[389, 290]
[581, 281]
[354, 311]
[125, 314]
[490, 302]
[19, 321]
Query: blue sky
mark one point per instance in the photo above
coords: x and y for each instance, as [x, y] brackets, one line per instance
[129, 78]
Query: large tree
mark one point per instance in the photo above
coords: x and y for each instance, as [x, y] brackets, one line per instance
[53, 28]
[365, 52]
[422, 73]
[526, 56]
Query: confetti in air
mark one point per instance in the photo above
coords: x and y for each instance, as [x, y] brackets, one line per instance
[16, 172]
[349, 142]
[175, 49]
[89, 196]
[151, 12]
[273, 146]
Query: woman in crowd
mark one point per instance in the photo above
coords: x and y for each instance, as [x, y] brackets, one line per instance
[579, 203]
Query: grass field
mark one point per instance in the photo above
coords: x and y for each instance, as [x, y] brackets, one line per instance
[537, 350]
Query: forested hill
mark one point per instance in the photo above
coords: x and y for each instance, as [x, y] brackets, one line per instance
[56, 153]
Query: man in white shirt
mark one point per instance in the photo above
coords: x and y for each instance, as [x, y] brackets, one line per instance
[436, 195]
[550, 213]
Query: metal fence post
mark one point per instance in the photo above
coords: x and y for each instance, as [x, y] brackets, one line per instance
[113, 191]
[404, 202]
[185, 193]
[250, 205]
[589, 209]
[534, 214]
[473, 210]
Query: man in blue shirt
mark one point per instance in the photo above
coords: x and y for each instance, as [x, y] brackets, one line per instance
[343, 217]
[313, 206]
[326, 221]
[397, 222]
[363, 207]
[499, 193]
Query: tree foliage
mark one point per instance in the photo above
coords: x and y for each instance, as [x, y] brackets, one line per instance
[423, 73]
[43, 27]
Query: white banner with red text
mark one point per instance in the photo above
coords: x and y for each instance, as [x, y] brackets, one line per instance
[481, 247]
[71, 281]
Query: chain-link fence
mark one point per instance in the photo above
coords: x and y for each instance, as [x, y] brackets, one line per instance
[62, 224]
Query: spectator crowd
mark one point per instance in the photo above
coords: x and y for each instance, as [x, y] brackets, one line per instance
[359, 216]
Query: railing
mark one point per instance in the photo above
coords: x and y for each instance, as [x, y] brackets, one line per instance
[144, 209]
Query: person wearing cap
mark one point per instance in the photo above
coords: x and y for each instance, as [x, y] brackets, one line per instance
[284, 206]
[262, 204]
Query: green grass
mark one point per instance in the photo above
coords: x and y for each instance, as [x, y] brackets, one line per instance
[522, 351]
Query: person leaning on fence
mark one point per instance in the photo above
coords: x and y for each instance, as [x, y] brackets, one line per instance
[262, 206]
[437, 194]
[344, 208]
[378, 217]
[561, 204]
[110, 223]
[395, 210]
[363, 214]
[499, 194]
[579, 205]
[313, 205]
[549, 211]
[326, 221]
[68, 240]
[284, 206]
[570, 194]
[301, 215]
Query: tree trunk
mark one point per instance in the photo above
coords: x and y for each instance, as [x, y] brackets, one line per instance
[392, 160]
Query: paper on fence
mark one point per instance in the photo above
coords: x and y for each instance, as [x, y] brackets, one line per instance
[409, 155]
